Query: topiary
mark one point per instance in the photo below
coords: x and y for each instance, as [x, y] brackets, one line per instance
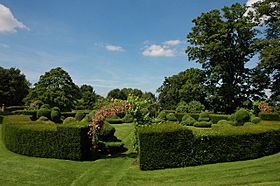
[255, 120]
[70, 120]
[188, 120]
[182, 107]
[248, 123]
[56, 108]
[43, 118]
[128, 118]
[55, 116]
[79, 116]
[162, 115]
[107, 132]
[44, 112]
[203, 116]
[195, 107]
[45, 106]
[241, 116]
[203, 124]
[224, 123]
[171, 117]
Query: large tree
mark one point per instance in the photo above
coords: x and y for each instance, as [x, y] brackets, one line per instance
[222, 40]
[186, 86]
[88, 97]
[13, 86]
[268, 16]
[55, 88]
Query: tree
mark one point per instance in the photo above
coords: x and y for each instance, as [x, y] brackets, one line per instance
[268, 16]
[55, 88]
[88, 97]
[186, 86]
[13, 86]
[124, 93]
[222, 41]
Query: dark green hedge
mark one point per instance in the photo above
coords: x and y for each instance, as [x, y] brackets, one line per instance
[47, 140]
[170, 145]
[269, 116]
[114, 121]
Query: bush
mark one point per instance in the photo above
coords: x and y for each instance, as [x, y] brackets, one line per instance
[241, 116]
[56, 115]
[182, 107]
[171, 117]
[44, 112]
[107, 132]
[79, 116]
[128, 118]
[45, 106]
[215, 118]
[195, 107]
[56, 109]
[224, 123]
[162, 115]
[204, 116]
[187, 120]
[36, 105]
[43, 118]
[68, 114]
[70, 120]
[179, 116]
[255, 120]
[47, 140]
[25, 112]
[115, 121]
[169, 145]
[269, 116]
[203, 124]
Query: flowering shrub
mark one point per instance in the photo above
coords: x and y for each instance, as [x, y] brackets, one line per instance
[264, 107]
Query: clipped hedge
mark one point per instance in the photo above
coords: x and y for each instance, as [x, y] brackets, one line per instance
[44, 140]
[269, 116]
[169, 145]
[114, 121]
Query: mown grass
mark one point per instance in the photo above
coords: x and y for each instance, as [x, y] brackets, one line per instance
[123, 170]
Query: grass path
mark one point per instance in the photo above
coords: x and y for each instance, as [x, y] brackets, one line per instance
[22, 170]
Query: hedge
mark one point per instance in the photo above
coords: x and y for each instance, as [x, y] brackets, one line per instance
[114, 121]
[44, 140]
[169, 145]
[269, 116]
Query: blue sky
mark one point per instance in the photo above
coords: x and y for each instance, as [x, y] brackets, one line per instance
[107, 44]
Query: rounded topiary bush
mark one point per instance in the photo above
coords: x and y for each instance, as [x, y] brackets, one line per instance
[162, 115]
[79, 116]
[107, 132]
[255, 120]
[171, 117]
[44, 112]
[188, 120]
[241, 116]
[69, 120]
[224, 123]
[43, 118]
[55, 116]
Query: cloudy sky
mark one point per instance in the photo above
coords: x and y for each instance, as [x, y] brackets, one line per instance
[107, 44]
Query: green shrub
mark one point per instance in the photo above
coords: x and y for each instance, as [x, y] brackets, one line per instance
[179, 116]
[187, 120]
[70, 120]
[45, 106]
[43, 118]
[25, 112]
[55, 116]
[241, 116]
[114, 147]
[224, 123]
[128, 118]
[107, 132]
[40, 139]
[79, 116]
[203, 116]
[215, 118]
[171, 117]
[68, 114]
[56, 109]
[168, 145]
[255, 120]
[115, 121]
[182, 107]
[194, 115]
[162, 115]
[203, 124]
[113, 117]
[269, 116]
[248, 123]
[44, 112]
[195, 107]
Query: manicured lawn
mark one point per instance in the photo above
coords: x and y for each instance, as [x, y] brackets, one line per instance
[123, 170]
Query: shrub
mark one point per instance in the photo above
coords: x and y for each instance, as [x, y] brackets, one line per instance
[45, 106]
[255, 120]
[162, 115]
[182, 107]
[204, 124]
[47, 140]
[171, 117]
[188, 120]
[44, 112]
[128, 118]
[43, 118]
[204, 116]
[36, 105]
[56, 109]
[269, 116]
[107, 132]
[69, 120]
[79, 116]
[68, 114]
[224, 123]
[194, 115]
[241, 116]
[168, 145]
[115, 121]
[248, 123]
[195, 107]
[215, 118]
[55, 116]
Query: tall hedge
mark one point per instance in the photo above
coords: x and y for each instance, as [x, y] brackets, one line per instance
[47, 140]
[170, 145]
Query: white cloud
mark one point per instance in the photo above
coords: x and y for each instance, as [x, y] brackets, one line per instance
[8, 23]
[251, 2]
[159, 51]
[172, 42]
[114, 48]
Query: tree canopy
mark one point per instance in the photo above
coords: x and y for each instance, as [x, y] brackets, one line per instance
[55, 88]
[13, 86]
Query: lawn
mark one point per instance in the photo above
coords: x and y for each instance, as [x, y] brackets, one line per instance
[123, 170]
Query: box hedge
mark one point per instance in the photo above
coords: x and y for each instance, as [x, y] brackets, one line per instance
[269, 116]
[169, 145]
[40, 139]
